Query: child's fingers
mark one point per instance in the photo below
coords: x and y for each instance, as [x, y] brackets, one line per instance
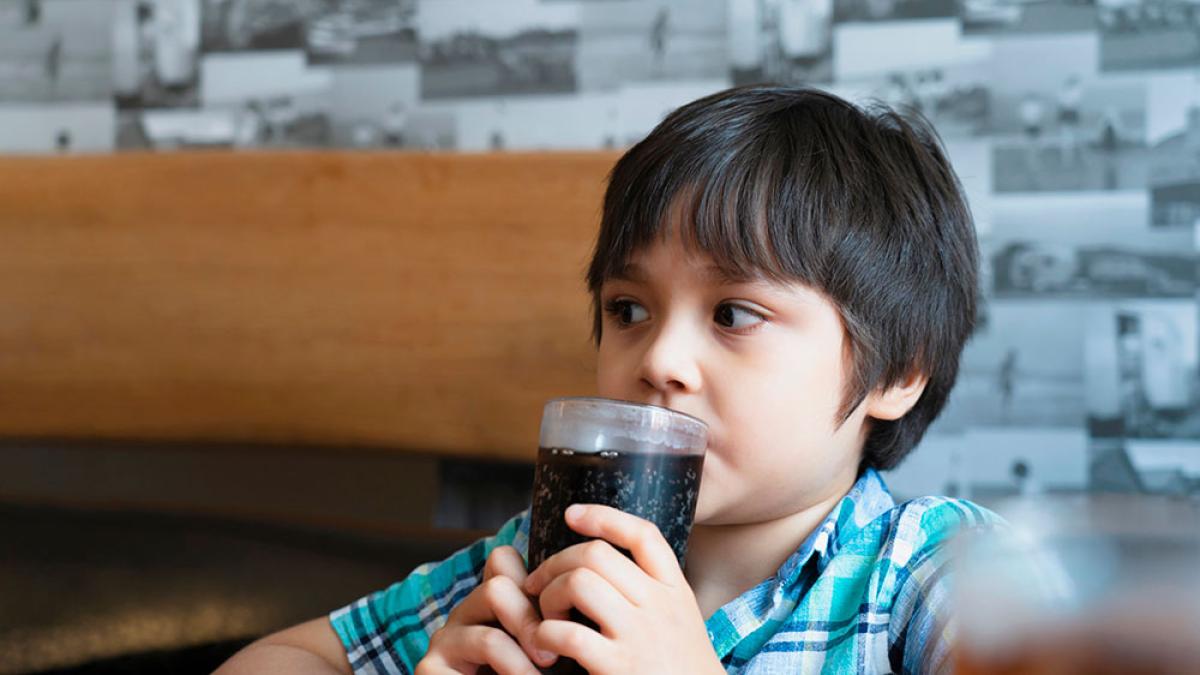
[506, 561]
[588, 592]
[571, 639]
[639, 536]
[599, 556]
[463, 648]
[517, 614]
[475, 608]
[499, 599]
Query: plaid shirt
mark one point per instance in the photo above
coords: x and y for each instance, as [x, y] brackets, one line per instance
[867, 592]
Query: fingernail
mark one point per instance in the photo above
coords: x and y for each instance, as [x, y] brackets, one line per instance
[574, 511]
[545, 656]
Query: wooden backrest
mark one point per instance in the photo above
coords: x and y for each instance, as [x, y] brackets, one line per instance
[408, 301]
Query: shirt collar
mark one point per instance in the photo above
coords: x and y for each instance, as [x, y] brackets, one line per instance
[867, 500]
[776, 596]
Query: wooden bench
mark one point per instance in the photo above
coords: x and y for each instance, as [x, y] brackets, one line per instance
[195, 347]
[400, 301]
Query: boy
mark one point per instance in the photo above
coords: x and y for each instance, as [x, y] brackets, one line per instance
[801, 275]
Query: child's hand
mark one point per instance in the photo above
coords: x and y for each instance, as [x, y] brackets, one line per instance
[470, 639]
[648, 616]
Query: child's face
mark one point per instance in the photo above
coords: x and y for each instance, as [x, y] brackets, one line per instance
[761, 362]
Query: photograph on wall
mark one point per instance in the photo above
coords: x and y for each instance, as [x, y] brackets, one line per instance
[592, 120]
[1166, 465]
[330, 31]
[1080, 245]
[1024, 462]
[972, 161]
[938, 465]
[156, 62]
[651, 40]
[994, 462]
[274, 98]
[1023, 369]
[57, 128]
[642, 105]
[251, 99]
[486, 48]
[1173, 133]
[1059, 124]
[781, 41]
[1142, 379]
[867, 49]
[57, 51]
[996, 17]
[953, 93]
[182, 128]
[130, 133]
[893, 10]
[1109, 468]
[363, 32]
[583, 121]
[1148, 34]
[1176, 202]
[1032, 268]
[429, 130]
[373, 106]
[242, 25]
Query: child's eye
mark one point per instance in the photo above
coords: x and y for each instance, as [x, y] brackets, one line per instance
[625, 311]
[737, 317]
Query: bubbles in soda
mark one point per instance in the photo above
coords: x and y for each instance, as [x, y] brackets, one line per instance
[662, 488]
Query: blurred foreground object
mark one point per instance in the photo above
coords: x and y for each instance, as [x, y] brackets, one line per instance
[1083, 585]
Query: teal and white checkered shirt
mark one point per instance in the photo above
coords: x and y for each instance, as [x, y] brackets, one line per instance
[867, 592]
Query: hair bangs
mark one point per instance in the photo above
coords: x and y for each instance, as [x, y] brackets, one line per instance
[727, 208]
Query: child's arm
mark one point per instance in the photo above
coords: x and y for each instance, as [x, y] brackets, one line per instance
[462, 645]
[310, 648]
[389, 630]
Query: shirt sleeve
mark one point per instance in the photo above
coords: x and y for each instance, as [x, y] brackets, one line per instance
[387, 632]
[923, 626]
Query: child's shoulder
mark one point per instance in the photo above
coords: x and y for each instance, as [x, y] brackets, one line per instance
[917, 572]
[928, 523]
[939, 512]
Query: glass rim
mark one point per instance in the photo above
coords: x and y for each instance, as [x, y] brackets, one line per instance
[627, 404]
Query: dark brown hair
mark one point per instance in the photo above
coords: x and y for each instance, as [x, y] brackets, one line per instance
[796, 184]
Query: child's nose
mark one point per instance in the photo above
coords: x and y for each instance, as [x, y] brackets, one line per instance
[670, 363]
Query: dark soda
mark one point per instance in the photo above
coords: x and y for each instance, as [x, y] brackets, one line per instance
[659, 487]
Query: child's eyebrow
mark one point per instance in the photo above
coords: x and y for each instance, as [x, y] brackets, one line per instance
[629, 272]
[725, 276]
[637, 273]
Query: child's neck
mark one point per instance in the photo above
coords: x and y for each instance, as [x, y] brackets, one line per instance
[724, 561]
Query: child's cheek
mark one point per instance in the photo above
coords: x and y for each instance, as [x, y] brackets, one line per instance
[712, 490]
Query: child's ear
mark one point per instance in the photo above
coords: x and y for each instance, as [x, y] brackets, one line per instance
[895, 402]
